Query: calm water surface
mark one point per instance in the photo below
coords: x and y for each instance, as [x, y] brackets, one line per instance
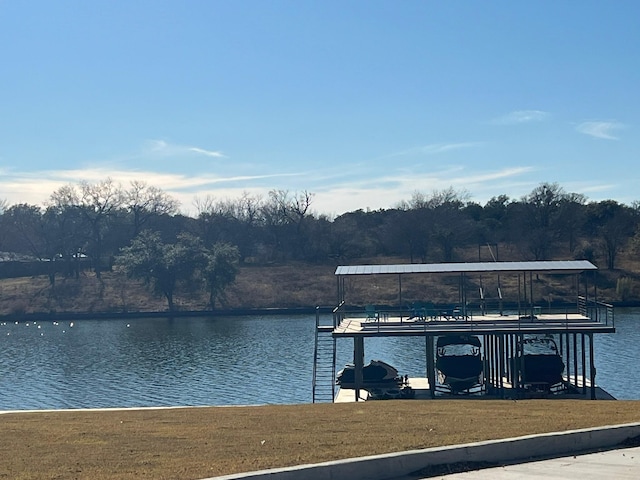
[216, 361]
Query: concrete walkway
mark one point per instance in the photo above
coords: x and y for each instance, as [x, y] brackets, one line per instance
[621, 464]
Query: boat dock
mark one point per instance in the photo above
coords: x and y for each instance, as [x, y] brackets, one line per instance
[501, 335]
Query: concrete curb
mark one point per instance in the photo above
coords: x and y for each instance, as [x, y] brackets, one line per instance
[510, 450]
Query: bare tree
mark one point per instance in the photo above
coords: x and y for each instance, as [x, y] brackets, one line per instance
[233, 221]
[437, 218]
[26, 223]
[144, 202]
[284, 214]
[97, 204]
[438, 198]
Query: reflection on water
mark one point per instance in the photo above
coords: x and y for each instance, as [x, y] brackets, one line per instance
[216, 361]
[617, 356]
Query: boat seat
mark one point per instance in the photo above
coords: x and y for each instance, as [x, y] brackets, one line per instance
[370, 310]
[423, 311]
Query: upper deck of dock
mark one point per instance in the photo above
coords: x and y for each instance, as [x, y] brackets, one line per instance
[471, 315]
[386, 325]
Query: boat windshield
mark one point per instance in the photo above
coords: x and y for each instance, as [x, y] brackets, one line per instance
[458, 350]
[539, 346]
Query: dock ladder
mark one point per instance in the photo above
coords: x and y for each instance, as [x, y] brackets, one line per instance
[324, 362]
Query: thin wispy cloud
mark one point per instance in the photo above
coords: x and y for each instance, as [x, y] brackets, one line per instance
[589, 187]
[208, 153]
[364, 193]
[494, 175]
[603, 130]
[436, 148]
[521, 116]
[163, 148]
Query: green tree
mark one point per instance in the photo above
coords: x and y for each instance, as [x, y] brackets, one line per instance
[162, 266]
[612, 224]
[220, 269]
[537, 219]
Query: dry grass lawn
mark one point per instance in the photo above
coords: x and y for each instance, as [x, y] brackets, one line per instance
[195, 443]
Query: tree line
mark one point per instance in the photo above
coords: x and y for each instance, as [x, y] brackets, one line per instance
[138, 227]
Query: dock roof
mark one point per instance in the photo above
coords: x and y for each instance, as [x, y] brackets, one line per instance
[556, 266]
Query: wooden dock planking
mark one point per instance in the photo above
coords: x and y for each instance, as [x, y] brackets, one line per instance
[420, 387]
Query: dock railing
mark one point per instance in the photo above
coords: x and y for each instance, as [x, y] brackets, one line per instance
[597, 311]
[338, 314]
[565, 316]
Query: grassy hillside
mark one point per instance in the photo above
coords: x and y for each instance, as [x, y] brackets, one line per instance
[292, 285]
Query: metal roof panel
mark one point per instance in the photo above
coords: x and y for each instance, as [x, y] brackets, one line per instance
[555, 266]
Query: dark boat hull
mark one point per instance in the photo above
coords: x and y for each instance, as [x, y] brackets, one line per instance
[374, 374]
[460, 373]
[459, 362]
[542, 369]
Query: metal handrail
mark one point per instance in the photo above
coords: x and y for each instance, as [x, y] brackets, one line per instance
[599, 313]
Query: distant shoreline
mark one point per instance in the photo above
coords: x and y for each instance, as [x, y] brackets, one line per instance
[229, 312]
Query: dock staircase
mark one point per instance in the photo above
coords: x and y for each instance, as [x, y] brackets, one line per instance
[324, 362]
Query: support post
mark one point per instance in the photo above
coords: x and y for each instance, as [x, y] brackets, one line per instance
[584, 366]
[485, 366]
[358, 364]
[501, 369]
[431, 367]
[400, 295]
[592, 367]
[575, 358]
[568, 356]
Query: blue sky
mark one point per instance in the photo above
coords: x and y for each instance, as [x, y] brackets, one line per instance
[361, 103]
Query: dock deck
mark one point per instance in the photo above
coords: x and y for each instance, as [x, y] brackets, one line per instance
[420, 385]
[394, 325]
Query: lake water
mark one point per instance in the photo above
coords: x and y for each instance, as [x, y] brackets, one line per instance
[216, 361]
